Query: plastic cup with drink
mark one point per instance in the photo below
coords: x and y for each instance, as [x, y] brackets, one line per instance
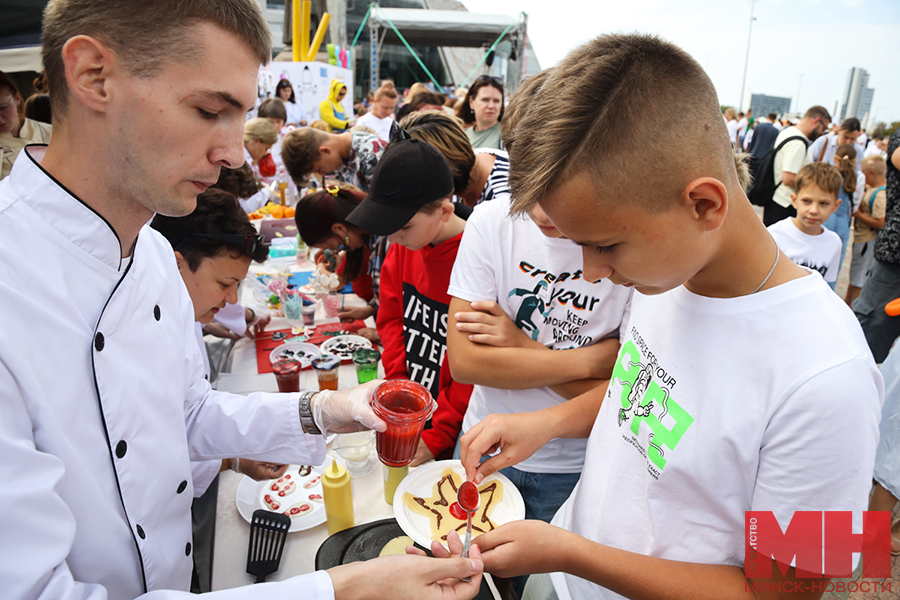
[287, 374]
[366, 362]
[326, 369]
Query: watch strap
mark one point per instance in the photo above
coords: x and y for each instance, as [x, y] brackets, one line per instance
[306, 418]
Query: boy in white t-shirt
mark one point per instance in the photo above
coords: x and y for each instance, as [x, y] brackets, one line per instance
[802, 238]
[744, 383]
[518, 292]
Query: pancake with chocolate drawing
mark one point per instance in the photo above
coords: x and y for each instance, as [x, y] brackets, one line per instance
[445, 514]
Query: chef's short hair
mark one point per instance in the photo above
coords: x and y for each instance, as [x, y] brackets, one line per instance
[144, 35]
[217, 212]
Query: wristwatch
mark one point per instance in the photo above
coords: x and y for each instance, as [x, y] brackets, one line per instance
[306, 418]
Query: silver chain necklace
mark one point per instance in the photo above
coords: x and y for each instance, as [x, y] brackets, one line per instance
[772, 270]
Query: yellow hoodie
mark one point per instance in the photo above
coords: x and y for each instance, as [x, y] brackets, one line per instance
[331, 111]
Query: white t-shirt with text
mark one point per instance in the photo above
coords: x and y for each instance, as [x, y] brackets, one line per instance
[718, 406]
[821, 253]
[537, 281]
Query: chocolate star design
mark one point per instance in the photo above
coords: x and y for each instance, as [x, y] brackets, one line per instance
[440, 509]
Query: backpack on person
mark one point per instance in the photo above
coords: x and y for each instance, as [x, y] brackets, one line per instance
[872, 197]
[763, 187]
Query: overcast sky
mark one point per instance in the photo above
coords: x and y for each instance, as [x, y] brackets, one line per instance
[818, 39]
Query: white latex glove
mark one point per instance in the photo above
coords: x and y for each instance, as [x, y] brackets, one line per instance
[346, 411]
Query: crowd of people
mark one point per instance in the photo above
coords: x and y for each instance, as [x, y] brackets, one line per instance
[642, 352]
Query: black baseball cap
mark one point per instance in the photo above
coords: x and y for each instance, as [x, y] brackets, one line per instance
[409, 175]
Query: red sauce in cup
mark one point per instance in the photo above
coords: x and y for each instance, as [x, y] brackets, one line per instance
[405, 406]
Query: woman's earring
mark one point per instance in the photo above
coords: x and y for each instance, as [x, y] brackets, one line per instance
[347, 239]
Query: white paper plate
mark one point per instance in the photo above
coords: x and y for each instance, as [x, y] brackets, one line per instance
[329, 346]
[301, 351]
[250, 494]
[421, 483]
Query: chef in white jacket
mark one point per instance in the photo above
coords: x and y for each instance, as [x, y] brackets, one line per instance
[104, 403]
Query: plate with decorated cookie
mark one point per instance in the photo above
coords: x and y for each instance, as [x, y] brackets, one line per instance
[343, 346]
[425, 503]
[297, 494]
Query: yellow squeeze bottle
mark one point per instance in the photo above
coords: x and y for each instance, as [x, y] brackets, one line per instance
[338, 498]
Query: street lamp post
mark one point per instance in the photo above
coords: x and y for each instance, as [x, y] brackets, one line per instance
[747, 57]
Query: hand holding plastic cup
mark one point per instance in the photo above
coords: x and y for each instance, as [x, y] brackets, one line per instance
[405, 406]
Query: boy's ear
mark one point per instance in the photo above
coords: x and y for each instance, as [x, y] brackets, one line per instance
[88, 65]
[794, 200]
[180, 260]
[707, 199]
[324, 149]
[446, 210]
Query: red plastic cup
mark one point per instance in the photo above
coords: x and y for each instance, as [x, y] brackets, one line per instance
[405, 406]
[287, 374]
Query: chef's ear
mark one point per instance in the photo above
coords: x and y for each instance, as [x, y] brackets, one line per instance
[89, 64]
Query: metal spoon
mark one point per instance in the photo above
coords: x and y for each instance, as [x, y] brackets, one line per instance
[469, 500]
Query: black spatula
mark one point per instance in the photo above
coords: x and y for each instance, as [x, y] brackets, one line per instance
[268, 532]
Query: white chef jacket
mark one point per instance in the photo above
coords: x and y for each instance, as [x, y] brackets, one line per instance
[105, 405]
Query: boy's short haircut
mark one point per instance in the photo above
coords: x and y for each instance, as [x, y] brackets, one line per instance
[217, 213]
[773, 117]
[876, 164]
[145, 36]
[635, 113]
[817, 112]
[240, 182]
[260, 129]
[822, 175]
[272, 108]
[518, 106]
[432, 207]
[850, 124]
[446, 134]
[300, 149]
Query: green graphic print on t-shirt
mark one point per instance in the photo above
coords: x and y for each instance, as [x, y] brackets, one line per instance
[646, 397]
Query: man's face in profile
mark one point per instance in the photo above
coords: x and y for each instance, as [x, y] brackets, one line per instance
[171, 133]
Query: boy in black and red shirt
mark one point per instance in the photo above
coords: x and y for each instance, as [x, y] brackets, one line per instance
[410, 202]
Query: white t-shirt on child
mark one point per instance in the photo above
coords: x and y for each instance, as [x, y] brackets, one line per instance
[537, 281]
[766, 402]
[820, 253]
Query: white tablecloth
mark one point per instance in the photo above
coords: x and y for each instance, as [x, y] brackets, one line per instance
[232, 531]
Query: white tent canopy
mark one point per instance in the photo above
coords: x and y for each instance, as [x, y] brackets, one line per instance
[443, 27]
[23, 58]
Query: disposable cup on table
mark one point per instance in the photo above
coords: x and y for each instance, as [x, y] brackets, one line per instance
[366, 362]
[292, 307]
[326, 369]
[405, 406]
[287, 374]
[309, 313]
[332, 303]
